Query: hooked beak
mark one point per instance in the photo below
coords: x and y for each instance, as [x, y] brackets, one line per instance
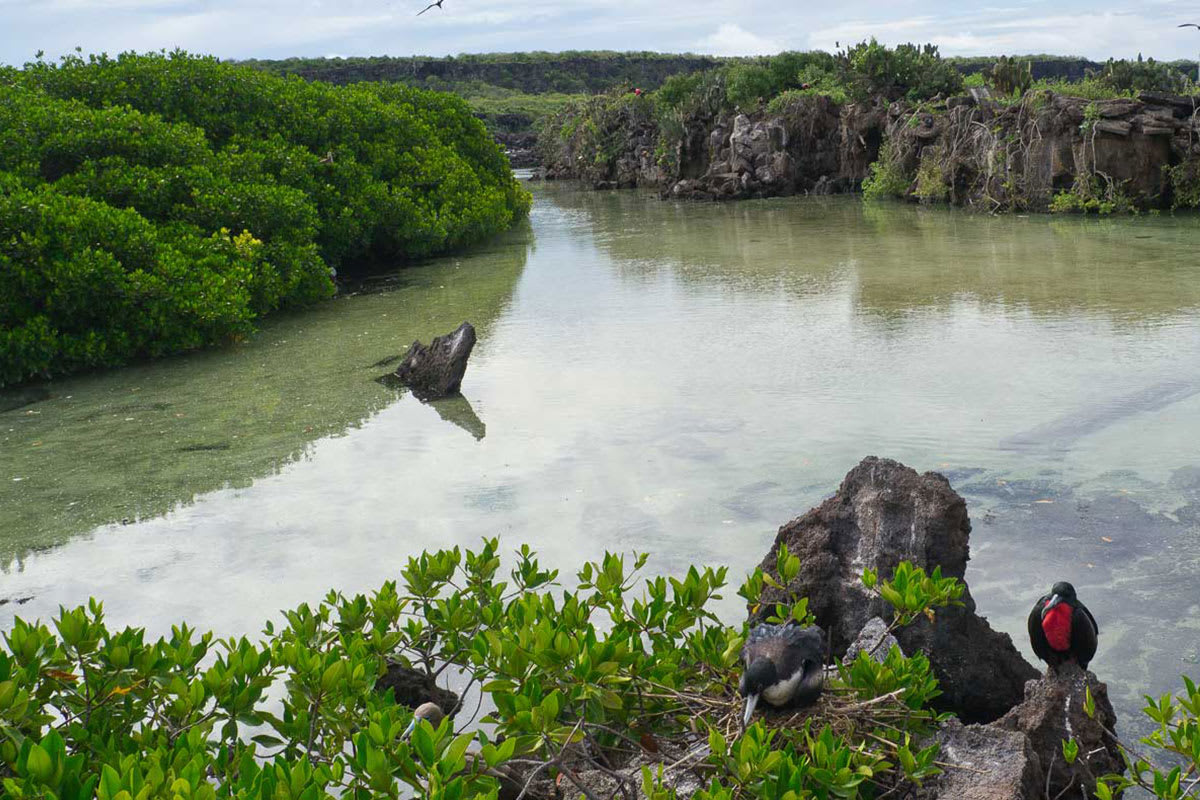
[751, 702]
[411, 724]
[1054, 600]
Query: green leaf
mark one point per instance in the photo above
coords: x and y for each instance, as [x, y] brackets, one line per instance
[458, 747]
[422, 739]
[39, 764]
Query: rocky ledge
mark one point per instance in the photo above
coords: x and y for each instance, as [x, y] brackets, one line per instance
[1005, 741]
[969, 150]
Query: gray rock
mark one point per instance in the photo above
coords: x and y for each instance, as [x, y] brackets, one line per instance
[985, 763]
[1117, 108]
[1114, 126]
[873, 639]
[1053, 710]
[437, 370]
[885, 513]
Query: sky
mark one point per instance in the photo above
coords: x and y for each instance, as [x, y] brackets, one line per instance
[281, 28]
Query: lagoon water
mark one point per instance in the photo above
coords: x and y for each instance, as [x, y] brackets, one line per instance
[675, 378]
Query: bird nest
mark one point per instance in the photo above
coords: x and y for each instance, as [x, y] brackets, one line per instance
[682, 755]
[841, 708]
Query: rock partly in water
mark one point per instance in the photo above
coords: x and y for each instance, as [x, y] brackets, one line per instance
[984, 763]
[885, 513]
[413, 688]
[874, 640]
[1054, 711]
[437, 370]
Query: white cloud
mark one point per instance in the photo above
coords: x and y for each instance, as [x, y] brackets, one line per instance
[280, 28]
[992, 31]
[734, 40]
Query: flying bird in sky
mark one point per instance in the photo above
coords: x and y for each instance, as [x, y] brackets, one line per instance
[1190, 25]
[437, 3]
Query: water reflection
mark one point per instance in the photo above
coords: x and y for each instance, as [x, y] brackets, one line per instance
[898, 259]
[132, 444]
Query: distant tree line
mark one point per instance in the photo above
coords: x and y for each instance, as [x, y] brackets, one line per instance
[572, 72]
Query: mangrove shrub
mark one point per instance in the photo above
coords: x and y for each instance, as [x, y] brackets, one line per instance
[588, 677]
[156, 203]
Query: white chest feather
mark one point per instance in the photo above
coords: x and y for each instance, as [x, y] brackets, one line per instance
[779, 693]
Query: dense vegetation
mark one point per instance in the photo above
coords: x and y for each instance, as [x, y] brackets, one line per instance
[152, 204]
[516, 92]
[510, 92]
[867, 70]
[592, 72]
[607, 138]
[570, 72]
[580, 680]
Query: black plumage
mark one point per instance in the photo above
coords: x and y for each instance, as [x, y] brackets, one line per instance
[1080, 639]
[784, 666]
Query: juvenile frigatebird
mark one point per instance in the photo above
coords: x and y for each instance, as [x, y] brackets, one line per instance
[437, 3]
[784, 666]
[1061, 628]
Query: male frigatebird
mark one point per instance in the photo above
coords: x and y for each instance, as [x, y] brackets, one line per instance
[784, 666]
[437, 3]
[1061, 628]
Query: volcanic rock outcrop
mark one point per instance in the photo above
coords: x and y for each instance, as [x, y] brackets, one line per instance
[885, 513]
[437, 370]
[1054, 710]
[411, 687]
[969, 150]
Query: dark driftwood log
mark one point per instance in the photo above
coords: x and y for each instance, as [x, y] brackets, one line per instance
[437, 370]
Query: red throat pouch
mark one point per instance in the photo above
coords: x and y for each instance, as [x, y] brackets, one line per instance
[1057, 626]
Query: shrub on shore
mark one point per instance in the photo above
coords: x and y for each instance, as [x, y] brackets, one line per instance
[574, 676]
[245, 192]
[581, 678]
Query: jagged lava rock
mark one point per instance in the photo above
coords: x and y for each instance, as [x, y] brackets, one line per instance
[987, 763]
[437, 370]
[874, 640]
[1054, 710]
[884, 513]
[412, 687]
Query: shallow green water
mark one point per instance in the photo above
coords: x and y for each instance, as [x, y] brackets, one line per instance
[677, 378]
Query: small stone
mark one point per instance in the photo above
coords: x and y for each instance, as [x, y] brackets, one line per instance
[874, 639]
